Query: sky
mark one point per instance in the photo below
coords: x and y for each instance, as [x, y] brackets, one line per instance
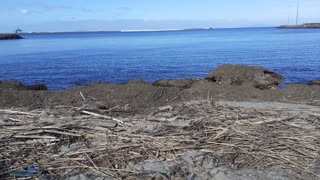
[100, 15]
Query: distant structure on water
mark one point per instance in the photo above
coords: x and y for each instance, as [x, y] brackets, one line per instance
[297, 25]
[297, 17]
[18, 30]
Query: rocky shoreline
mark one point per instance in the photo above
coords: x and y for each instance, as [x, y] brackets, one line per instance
[227, 82]
[233, 124]
[10, 36]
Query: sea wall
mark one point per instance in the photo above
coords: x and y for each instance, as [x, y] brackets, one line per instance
[10, 36]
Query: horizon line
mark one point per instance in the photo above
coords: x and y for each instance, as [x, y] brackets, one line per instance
[137, 30]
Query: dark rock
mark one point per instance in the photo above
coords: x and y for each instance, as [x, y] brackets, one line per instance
[9, 36]
[37, 87]
[19, 86]
[252, 76]
[183, 83]
[314, 83]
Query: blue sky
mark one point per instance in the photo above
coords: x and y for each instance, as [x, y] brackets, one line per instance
[77, 15]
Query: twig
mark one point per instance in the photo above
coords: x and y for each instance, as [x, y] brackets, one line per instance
[62, 133]
[44, 141]
[82, 96]
[103, 116]
[34, 137]
[91, 161]
[17, 112]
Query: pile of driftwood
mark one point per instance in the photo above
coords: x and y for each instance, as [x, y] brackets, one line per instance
[63, 141]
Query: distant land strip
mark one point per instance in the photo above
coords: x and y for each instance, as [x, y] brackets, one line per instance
[308, 25]
[142, 30]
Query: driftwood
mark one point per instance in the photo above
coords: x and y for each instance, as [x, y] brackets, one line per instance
[236, 138]
[103, 116]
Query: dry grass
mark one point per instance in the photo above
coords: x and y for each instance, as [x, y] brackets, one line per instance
[66, 140]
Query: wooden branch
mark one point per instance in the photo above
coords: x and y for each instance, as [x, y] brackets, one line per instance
[105, 117]
[17, 112]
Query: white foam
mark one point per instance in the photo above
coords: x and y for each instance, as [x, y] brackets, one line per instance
[151, 30]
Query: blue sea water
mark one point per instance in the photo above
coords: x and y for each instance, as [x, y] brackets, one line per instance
[69, 59]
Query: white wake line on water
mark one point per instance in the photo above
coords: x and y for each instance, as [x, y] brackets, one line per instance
[159, 30]
[151, 30]
[134, 30]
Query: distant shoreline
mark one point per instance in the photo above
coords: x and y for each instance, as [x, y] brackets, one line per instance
[146, 30]
[119, 31]
[157, 30]
[308, 25]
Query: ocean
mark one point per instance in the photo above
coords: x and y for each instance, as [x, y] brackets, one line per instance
[63, 60]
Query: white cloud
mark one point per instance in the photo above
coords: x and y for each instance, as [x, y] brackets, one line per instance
[24, 11]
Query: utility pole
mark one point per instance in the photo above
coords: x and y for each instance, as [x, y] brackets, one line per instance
[298, 6]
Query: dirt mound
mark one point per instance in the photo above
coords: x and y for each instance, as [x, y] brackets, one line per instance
[238, 75]
[181, 83]
[301, 93]
[140, 96]
[136, 96]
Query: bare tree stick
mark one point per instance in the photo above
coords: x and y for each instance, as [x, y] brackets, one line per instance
[103, 116]
[44, 141]
[62, 133]
[34, 137]
[95, 166]
[17, 112]
[82, 96]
